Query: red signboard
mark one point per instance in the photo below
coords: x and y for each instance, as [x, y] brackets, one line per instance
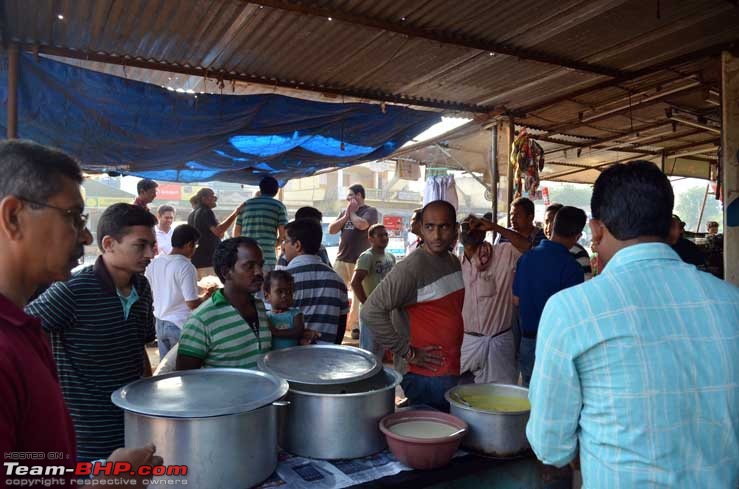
[169, 191]
[392, 223]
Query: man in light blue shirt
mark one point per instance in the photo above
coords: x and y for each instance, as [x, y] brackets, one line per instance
[638, 369]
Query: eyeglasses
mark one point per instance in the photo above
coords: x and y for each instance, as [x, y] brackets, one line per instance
[78, 219]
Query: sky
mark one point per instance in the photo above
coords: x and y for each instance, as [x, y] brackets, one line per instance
[446, 124]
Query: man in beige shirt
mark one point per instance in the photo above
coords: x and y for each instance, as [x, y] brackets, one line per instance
[488, 348]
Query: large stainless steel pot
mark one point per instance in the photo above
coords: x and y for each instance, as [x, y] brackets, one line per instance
[220, 423]
[306, 366]
[499, 434]
[339, 421]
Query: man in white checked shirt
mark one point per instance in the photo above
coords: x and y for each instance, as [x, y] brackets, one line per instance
[637, 370]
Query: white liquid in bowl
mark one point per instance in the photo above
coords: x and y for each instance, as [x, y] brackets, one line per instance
[423, 429]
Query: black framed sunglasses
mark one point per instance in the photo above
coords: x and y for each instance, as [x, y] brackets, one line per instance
[78, 218]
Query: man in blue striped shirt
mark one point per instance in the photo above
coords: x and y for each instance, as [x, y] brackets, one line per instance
[319, 291]
[98, 322]
[638, 369]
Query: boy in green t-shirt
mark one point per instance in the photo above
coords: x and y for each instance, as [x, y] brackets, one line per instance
[372, 266]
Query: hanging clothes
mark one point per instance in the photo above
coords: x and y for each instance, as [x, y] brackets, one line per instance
[527, 159]
[441, 188]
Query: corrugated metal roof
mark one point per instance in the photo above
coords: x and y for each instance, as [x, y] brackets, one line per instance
[419, 52]
[243, 37]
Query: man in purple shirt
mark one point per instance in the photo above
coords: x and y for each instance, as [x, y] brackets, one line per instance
[40, 203]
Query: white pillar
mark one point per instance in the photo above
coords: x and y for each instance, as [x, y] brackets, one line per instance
[730, 158]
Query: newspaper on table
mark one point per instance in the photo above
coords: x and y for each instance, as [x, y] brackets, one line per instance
[307, 473]
[295, 472]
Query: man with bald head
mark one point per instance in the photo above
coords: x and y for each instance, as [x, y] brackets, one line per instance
[428, 286]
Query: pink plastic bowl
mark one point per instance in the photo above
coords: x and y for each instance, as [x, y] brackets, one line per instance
[423, 453]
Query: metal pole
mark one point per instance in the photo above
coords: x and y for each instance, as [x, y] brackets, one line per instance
[12, 125]
[703, 208]
[663, 161]
[494, 173]
[510, 135]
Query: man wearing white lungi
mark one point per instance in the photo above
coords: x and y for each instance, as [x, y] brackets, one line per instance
[488, 348]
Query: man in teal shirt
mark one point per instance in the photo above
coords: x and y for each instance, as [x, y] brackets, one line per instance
[263, 218]
[637, 370]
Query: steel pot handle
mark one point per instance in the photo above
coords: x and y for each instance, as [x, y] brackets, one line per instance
[281, 404]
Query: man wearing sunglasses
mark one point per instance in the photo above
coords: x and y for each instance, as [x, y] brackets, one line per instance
[42, 234]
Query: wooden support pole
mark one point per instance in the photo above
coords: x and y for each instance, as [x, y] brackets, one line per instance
[494, 172]
[12, 123]
[730, 159]
[663, 161]
[703, 208]
[505, 140]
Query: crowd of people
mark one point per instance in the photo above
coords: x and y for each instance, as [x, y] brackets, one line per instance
[617, 366]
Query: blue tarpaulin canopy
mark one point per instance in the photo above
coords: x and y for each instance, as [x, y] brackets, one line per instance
[113, 124]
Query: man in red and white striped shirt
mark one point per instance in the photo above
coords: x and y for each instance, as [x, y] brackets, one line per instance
[428, 285]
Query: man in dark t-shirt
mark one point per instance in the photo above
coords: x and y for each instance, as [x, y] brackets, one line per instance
[353, 222]
[211, 231]
[522, 221]
[688, 251]
[577, 251]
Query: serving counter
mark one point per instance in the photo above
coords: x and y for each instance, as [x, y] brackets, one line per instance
[382, 470]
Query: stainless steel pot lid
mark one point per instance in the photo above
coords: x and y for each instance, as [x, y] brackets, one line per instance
[321, 364]
[200, 393]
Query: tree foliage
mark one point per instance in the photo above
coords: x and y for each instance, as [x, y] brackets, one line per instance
[688, 200]
[688, 203]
